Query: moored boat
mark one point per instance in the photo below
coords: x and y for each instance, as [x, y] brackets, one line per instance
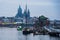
[27, 31]
[19, 28]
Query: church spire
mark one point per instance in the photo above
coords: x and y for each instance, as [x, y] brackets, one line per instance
[19, 13]
[28, 12]
[26, 8]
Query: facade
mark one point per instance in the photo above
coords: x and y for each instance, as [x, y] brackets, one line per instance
[23, 16]
[7, 20]
[57, 22]
[1, 20]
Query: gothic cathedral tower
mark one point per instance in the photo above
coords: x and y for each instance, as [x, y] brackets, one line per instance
[19, 13]
[26, 13]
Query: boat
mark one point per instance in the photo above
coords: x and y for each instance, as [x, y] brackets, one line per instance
[19, 28]
[54, 34]
[27, 31]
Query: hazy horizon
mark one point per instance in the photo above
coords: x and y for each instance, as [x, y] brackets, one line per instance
[48, 8]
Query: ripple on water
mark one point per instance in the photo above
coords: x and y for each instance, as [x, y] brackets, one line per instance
[13, 34]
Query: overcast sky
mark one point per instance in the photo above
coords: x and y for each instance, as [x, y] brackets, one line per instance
[48, 8]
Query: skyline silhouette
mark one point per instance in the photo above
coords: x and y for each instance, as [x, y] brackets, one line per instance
[48, 8]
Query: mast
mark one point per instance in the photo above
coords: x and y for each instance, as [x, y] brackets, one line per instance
[26, 15]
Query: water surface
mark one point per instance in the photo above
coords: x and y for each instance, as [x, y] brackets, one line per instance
[13, 34]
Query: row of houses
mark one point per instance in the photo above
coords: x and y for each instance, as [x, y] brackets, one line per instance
[17, 20]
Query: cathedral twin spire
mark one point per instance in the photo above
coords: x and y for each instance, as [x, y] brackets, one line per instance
[25, 13]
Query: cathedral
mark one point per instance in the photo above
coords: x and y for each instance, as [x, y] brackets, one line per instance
[23, 16]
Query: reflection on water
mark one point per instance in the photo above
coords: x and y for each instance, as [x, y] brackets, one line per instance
[13, 34]
[24, 37]
[41, 37]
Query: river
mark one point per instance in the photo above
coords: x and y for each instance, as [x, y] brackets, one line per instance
[13, 34]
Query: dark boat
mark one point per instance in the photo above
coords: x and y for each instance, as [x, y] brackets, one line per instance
[54, 34]
[27, 31]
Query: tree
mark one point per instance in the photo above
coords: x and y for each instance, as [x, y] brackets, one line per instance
[42, 20]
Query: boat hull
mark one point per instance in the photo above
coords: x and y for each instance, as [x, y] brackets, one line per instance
[54, 34]
[27, 32]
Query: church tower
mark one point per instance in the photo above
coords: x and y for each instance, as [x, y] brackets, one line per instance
[26, 13]
[19, 13]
